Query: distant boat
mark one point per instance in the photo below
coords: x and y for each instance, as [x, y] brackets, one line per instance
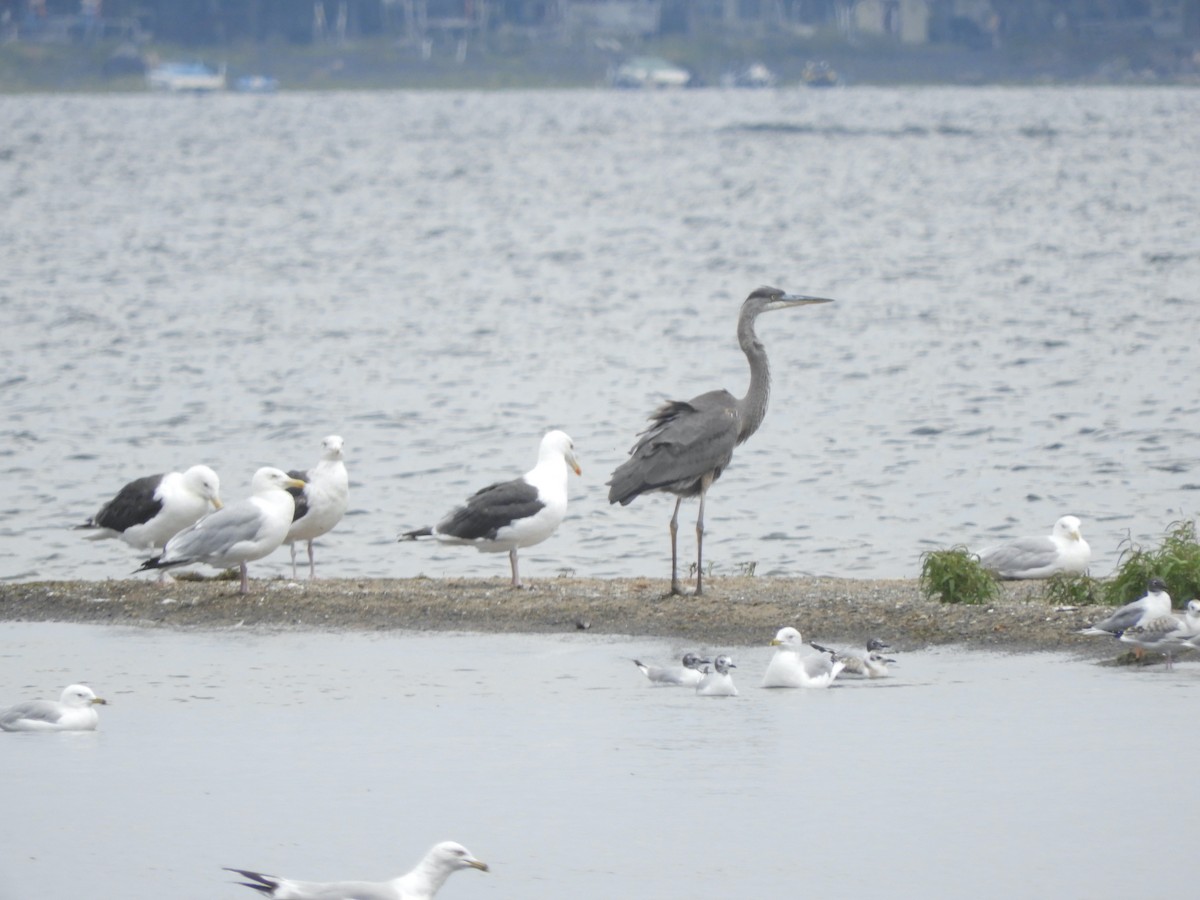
[186, 77]
[755, 75]
[819, 74]
[652, 72]
[256, 84]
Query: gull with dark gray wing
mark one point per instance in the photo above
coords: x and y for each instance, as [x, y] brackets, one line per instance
[149, 511]
[508, 515]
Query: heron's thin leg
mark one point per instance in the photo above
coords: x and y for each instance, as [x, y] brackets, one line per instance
[512, 558]
[312, 565]
[700, 542]
[292, 547]
[675, 588]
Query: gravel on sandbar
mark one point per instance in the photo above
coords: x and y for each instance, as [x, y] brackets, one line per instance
[735, 611]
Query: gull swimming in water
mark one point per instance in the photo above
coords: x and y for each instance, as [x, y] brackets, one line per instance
[869, 662]
[717, 682]
[688, 674]
[238, 534]
[788, 669]
[322, 502]
[1064, 550]
[74, 711]
[426, 878]
[512, 514]
[149, 511]
[1168, 635]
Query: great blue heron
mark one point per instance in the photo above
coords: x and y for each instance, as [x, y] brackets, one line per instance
[322, 502]
[689, 443]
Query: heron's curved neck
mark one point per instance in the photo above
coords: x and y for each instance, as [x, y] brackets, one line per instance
[754, 404]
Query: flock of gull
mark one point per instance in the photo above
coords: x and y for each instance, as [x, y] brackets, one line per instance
[180, 519]
[790, 667]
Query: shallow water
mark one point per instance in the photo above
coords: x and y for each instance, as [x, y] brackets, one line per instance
[439, 277]
[345, 755]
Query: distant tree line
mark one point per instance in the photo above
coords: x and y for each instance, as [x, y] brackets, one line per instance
[207, 22]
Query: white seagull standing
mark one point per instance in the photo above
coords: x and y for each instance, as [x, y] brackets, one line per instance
[788, 669]
[512, 514]
[238, 534]
[148, 512]
[74, 711]
[421, 883]
[1064, 550]
[322, 502]
[717, 682]
[688, 674]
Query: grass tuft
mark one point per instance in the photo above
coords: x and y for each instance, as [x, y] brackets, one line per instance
[1176, 561]
[955, 576]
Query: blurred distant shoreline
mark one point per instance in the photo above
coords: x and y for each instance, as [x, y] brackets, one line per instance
[110, 67]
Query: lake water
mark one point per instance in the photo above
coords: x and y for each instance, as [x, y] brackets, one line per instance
[440, 277]
[329, 756]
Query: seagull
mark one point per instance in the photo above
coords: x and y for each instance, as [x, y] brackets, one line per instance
[1169, 634]
[789, 669]
[717, 682]
[509, 515]
[689, 674]
[74, 711]
[148, 511]
[238, 534]
[425, 880]
[1155, 603]
[321, 503]
[1064, 550]
[869, 662]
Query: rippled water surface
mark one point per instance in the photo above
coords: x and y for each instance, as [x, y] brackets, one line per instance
[440, 277]
[346, 755]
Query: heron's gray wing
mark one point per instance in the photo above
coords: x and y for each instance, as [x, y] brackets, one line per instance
[492, 508]
[1021, 555]
[134, 504]
[687, 441]
[215, 533]
[46, 711]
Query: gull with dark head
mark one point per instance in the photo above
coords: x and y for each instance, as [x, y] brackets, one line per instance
[717, 682]
[688, 674]
[870, 662]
